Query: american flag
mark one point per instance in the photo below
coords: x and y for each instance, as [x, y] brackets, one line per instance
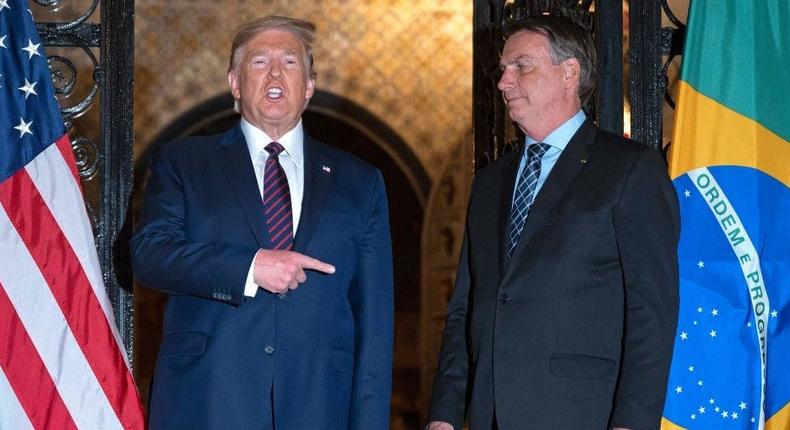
[62, 364]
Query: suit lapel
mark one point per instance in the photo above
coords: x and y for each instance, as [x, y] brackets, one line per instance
[317, 179]
[571, 162]
[237, 166]
[507, 184]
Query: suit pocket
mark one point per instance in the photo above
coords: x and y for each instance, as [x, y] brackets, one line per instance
[583, 366]
[183, 344]
[580, 217]
[341, 361]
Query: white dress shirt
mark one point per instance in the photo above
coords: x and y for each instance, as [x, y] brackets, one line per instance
[292, 162]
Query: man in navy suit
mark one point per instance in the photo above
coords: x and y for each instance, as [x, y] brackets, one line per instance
[275, 252]
[565, 303]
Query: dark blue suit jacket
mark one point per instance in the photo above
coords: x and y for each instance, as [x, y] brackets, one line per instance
[318, 358]
[576, 331]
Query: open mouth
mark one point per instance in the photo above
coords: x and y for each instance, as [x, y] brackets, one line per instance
[274, 93]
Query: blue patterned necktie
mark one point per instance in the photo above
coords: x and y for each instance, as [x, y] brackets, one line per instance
[277, 200]
[525, 194]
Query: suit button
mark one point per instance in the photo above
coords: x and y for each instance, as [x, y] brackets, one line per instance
[269, 349]
[503, 298]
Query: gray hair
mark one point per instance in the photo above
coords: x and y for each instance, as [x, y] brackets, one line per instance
[566, 40]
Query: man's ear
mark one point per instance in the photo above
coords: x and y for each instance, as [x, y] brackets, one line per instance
[233, 82]
[571, 71]
[309, 89]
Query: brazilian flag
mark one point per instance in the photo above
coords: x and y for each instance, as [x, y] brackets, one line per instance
[730, 164]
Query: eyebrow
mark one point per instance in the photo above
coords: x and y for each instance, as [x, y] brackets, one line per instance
[268, 51]
[516, 60]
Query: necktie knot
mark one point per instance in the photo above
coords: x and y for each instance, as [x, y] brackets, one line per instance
[274, 149]
[536, 150]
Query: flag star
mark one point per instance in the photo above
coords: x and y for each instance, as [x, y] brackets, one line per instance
[699, 382]
[693, 416]
[694, 322]
[752, 420]
[699, 309]
[749, 324]
[687, 193]
[2, 41]
[714, 312]
[4, 5]
[713, 333]
[701, 409]
[712, 400]
[725, 414]
[734, 415]
[691, 368]
[716, 409]
[29, 88]
[684, 335]
[774, 314]
[678, 389]
[742, 405]
[701, 264]
[24, 127]
[32, 49]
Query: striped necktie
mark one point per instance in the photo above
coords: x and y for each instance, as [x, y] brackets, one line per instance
[277, 200]
[525, 194]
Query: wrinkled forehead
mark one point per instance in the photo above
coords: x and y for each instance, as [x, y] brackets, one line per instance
[525, 43]
[274, 41]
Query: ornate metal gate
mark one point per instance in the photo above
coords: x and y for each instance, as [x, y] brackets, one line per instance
[102, 136]
[493, 133]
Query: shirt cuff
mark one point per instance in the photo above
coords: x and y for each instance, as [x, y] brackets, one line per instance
[250, 289]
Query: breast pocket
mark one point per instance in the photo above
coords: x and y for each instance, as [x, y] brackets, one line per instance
[598, 217]
[183, 344]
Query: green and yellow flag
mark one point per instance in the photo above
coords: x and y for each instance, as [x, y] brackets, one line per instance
[730, 164]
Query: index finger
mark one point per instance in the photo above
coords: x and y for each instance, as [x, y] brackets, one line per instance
[312, 263]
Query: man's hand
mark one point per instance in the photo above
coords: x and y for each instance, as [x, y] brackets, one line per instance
[280, 271]
[439, 425]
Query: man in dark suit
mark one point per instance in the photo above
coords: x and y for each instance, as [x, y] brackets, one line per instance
[565, 304]
[243, 347]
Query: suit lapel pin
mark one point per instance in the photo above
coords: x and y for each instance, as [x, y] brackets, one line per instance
[326, 168]
[583, 161]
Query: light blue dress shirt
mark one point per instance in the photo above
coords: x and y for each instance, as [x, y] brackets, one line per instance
[557, 140]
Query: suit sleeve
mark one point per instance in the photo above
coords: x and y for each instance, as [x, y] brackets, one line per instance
[165, 259]
[449, 397]
[371, 299]
[647, 228]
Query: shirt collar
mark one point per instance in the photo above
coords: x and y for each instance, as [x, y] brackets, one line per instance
[560, 137]
[257, 139]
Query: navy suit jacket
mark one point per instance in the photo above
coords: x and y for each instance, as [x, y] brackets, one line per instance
[576, 331]
[319, 357]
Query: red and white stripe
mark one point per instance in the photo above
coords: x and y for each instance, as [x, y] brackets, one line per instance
[62, 359]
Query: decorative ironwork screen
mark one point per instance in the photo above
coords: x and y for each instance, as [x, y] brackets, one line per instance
[92, 64]
[647, 85]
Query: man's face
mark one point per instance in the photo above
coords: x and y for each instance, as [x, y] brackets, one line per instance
[534, 89]
[271, 82]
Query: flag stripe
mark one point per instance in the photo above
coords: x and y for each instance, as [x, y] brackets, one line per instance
[31, 382]
[748, 143]
[12, 416]
[70, 286]
[58, 188]
[48, 330]
[64, 146]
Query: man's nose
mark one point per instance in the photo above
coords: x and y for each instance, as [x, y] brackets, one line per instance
[275, 70]
[505, 82]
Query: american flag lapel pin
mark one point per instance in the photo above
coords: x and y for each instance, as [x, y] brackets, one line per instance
[326, 168]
